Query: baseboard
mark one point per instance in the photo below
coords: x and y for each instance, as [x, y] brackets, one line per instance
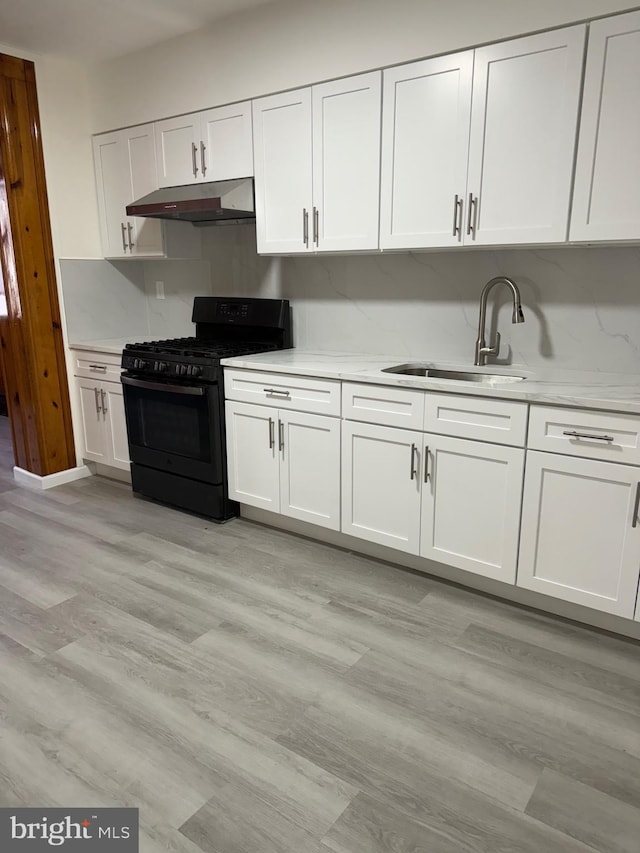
[112, 473]
[523, 597]
[50, 481]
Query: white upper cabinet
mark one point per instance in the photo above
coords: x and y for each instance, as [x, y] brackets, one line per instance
[425, 146]
[126, 170]
[477, 147]
[606, 202]
[524, 116]
[317, 167]
[346, 163]
[213, 145]
[282, 161]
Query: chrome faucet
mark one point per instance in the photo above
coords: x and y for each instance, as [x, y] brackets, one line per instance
[482, 350]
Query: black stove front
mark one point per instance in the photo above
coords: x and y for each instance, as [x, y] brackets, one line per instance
[174, 401]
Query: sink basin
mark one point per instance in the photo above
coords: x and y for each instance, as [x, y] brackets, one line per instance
[483, 377]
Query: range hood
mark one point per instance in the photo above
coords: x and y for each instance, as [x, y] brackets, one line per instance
[216, 203]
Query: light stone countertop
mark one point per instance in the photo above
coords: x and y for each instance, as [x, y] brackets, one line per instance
[591, 390]
[110, 346]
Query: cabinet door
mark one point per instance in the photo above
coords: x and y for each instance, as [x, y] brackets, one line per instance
[523, 130]
[113, 188]
[606, 201]
[346, 162]
[578, 539]
[93, 423]
[282, 161]
[116, 425]
[252, 455]
[310, 468]
[471, 505]
[178, 150]
[381, 485]
[228, 144]
[143, 179]
[425, 145]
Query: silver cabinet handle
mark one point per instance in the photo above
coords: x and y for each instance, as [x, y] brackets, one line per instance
[129, 230]
[101, 367]
[574, 434]
[636, 507]
[426, 464]
[316, 225]
[413, 465]
[273, 392]
[194, 151]
[104, 405]
[203, 162]
[280, 435]
[457, 217]
[271, 435]
[124, 237]
[97, 393]
[472, 214]
[305, 227]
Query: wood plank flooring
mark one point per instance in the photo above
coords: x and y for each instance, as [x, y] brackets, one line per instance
[255, 692]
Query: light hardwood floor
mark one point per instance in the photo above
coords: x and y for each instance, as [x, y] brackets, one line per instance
[255, 692]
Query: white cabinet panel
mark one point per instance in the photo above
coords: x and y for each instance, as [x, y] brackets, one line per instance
[178, 150]
[147, 238]
[523, 128]
[118, 443]
[471, 506]
[578, 539]
[606, 202]
[228, 148]
[282, 162]
[310, 468]
[346, 162]
[425, 145]
[252, 455]
[381, 485]
[95, 443]
[112, 180]
[304, 393]
[383, 404]
[479, 418]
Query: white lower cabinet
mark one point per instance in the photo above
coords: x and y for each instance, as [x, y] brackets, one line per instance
[580, 537]
[286, 462]
[462, 509]
[381, 485]
[471, 505]
[104, 424]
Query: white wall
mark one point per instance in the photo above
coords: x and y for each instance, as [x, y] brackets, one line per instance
[297, 42]
[63, 100]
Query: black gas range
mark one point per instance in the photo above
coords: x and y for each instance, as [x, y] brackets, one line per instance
[174, 401]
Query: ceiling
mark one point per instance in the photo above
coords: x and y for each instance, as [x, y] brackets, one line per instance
[97, 30]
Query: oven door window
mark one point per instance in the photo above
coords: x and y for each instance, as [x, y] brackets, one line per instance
[171, 428]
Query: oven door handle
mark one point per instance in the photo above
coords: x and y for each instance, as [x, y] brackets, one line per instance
[191, 390]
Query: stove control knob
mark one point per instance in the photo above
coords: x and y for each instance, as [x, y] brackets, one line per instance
[196, 370]
[160, 366]
[181, 369]
[139, 364]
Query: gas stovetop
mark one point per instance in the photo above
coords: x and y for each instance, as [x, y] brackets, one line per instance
[187, 358]
[201, 348]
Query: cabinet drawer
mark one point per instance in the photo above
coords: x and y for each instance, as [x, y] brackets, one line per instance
[499, 421]
[97, 365]
[600, 435]
[383, 404]
[284, 391]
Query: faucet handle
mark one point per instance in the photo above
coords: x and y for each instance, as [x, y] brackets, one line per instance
[494, 349]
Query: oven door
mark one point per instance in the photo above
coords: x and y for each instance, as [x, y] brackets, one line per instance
[175, 428]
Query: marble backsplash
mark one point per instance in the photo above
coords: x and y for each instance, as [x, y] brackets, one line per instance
[581, 305]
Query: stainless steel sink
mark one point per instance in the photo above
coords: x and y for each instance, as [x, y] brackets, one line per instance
[482, 377]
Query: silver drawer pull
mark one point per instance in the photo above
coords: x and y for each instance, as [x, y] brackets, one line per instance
[413, 471]
[636, 506]
[271, 436]
[276, 391]
[574, 434]
[101, 367]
